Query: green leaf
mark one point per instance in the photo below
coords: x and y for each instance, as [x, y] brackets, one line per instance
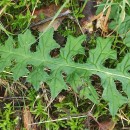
[26, 40]
[111, 95]
[102, 52]
[127, 39]
[114, 9]
[46, 44]
[37, 76]
[59, 71]
[123, 68]
[75, 81]
[122, 29]
[73, 47]
[6, 52]
[56, 83]
[90, 93]
[19, 70]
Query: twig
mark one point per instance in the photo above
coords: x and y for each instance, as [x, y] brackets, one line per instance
[90, 115]
[50, 18]
[12, 98]
[61, 119]
[51, 100]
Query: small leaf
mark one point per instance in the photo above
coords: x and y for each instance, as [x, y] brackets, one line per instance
[26, 40]
[90, 93]
[111, 95]
[56, 83]
[123, 68]
[123, 28]
[102, 52]
[19, 70]
[6, 52]
[46, 44]
[73, 47]
[75, 81]
[37, 76]
[127, 39]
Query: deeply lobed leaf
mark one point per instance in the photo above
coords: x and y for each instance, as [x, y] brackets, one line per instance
[60, 71]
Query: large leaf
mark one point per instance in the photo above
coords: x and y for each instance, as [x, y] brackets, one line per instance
[62, 70]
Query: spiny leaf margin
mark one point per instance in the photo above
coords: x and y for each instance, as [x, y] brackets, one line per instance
[78, 75]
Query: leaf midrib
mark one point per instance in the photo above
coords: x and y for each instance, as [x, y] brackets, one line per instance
[74, 65]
